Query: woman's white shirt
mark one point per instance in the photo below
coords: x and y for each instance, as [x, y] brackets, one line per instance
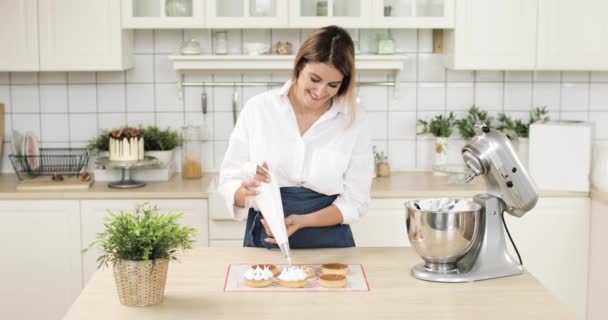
[333, 156]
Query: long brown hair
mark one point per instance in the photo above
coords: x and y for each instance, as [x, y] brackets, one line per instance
[332, 45]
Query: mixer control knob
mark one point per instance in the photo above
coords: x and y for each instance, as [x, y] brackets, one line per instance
[510, 184]
[485, 129]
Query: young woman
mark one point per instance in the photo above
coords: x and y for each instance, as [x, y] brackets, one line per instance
[315, 141]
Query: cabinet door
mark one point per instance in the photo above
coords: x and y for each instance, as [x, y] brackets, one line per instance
[94, 211]
[572, 35]
[247, 14]
[19, 35]
[79, 35]
[383, 226]
[162, 14]
[320, 13]
[427, 14]
[553, 240]
[41, 271]
[492, 35]
[598, 259]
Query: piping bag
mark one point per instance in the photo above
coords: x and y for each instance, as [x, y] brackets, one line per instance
[270, 204]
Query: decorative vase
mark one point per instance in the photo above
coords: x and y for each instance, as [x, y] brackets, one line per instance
[599, 171]
[441, 153]
[141, 283]
[383, 169]
[164, 157]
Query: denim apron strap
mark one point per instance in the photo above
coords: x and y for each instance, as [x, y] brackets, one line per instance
[299, 200]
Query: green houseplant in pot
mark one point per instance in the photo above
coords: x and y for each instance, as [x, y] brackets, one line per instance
[440, 127]
[466, 124]
[100, 144]
[160, 144]
[139, 245]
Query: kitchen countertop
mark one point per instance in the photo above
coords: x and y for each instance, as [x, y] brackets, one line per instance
[195, 290]
[398, 185]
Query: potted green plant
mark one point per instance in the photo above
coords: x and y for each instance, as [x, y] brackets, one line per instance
[160, 144]
[139, 246]
[441, 127]
[100, 144]
[466, 124]
[381, 166]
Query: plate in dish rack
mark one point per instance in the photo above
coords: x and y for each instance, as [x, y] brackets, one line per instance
[32, 150]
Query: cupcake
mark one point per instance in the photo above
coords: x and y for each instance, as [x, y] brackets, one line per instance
[258, 277]
[332, 280]
[334, 268]
[271, 267]
[310, 271]
[293, 277]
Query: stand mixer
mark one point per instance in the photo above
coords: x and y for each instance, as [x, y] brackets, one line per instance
[469, 244]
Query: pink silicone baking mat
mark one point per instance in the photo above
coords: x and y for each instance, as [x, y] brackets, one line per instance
[356, 281]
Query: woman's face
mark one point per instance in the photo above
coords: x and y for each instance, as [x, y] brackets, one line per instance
[317, 84]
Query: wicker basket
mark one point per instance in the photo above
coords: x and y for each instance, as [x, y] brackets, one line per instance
[141, 283]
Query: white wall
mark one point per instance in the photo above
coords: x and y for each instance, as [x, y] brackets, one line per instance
[67, 109]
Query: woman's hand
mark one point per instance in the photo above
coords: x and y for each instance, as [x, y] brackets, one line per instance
[293, 223]
[248, 187]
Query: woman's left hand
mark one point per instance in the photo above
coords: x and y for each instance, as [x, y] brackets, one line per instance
[292, 223]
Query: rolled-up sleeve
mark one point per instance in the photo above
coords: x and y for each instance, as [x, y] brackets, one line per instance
[353, 203]
[236, 166]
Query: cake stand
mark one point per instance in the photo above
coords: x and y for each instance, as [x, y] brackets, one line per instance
[126, 181]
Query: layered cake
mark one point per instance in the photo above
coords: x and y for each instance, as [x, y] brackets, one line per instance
[334, 268]
[126, 145]
[293, 277]
[257, 277]
[332, 280]
[271, 267]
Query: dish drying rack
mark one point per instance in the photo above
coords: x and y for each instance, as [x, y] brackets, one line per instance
[50, 161]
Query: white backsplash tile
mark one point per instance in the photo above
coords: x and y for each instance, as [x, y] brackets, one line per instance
[25, 99]
[575, 96]
[111, 98]
[70, 106]
[54, 98]
[82, 98]
[8, 128]
[518, 96]
[377, 121]
[143, 69]
[55, 127]
[431, 96]
[83, 126]
[140, 97]
[489, 95]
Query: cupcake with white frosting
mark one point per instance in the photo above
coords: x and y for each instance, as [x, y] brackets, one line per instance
[293, 277]
[258, 277]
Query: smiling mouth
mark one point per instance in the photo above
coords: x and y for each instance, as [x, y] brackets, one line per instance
[312, 96]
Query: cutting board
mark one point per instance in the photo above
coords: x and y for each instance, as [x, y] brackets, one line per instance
[45, 183]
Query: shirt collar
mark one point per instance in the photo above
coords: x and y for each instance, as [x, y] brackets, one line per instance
[338, 105]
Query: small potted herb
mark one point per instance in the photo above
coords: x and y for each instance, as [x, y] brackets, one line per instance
[100, 144]
[466, 124]
[139, 245]
[160, 144]
[441, 127]
[381, 166]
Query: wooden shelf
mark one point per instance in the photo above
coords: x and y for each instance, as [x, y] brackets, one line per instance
[274, 62]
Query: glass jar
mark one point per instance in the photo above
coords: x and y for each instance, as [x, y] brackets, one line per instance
[221, 42]
[191, 152]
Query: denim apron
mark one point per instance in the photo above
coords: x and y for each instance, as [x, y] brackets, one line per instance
[299, 200]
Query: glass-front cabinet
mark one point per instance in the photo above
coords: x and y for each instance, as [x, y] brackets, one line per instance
[413, 13]
[319, 13]
[142, 14]
[247, 14]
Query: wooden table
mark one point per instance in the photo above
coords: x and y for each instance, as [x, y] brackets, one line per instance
[195, 290]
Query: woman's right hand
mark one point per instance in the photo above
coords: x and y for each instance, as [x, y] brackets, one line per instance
[248, 187]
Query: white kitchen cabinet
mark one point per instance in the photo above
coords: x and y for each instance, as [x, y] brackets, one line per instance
[572, 35]
[383, 226]
[320, 13]
[553, 240]
[19, 35]
[40, 270]
[167, 14]
[93, 213]
[597, 309]
[431, 14]
[247, 14]
[83, 35]
[492, 35]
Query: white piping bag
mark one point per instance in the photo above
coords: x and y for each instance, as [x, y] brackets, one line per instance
[269, 202]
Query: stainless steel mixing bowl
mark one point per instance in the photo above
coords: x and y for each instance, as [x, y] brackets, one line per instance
[441, 238]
